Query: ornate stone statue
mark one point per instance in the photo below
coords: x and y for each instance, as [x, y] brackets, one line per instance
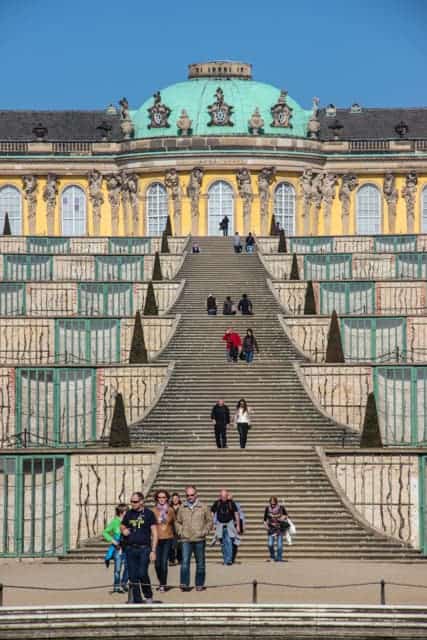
[408, 193]
[173, 186]
[193, 192]
[184, 124]
[305, 183]
[96, 197]
[282, 112]
[329, 186]
[129, 193]
[316, 197]
[29, 185]
[114, 184]
[266, 178]
[256, 123]
[126, 124]
[348, 184]
[50, 193]
[245, 192]
[391, 196]
[220, 112]
[314, 123]
[159, 113]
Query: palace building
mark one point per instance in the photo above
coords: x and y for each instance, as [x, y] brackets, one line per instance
[217, 143]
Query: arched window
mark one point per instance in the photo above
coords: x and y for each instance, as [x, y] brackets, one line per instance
[157, 209]
[368, 210]
[220, 203]
[284, 207]
[11, 202]
[73, 211]
[424, 210]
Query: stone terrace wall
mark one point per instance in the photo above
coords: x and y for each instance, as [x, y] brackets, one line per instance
[384, 488]
[90, 245]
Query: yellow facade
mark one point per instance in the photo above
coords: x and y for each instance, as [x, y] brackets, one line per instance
[210, 177]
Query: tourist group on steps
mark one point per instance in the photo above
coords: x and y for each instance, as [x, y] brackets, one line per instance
[174, 530]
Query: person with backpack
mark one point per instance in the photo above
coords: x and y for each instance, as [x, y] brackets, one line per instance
[227, 524]
[228, 308]
[276, 523]
[211, 307]
[249, 243]
[223, 225]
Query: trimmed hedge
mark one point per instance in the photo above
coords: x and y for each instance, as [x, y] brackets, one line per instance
[371, 434]
[150, 306]
[273, 231]
[334, 350]
[310, 300]
[168, 227]
[138, 351]
[6, 226]
[165, 244]
[282, 248]
[294, 275]
[119, 432]
[157, 268]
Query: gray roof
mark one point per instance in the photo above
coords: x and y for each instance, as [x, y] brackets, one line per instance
[61, 125]
[374, 123]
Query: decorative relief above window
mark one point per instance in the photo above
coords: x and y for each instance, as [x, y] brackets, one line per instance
[220, 112]
[282, 112]
[159, 113]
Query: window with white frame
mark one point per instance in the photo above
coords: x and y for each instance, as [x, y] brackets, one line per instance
[368, 210]
[284, 207]
[424, 210]
[220, 204]
[11, 203]
[157, 209]
[73, 211]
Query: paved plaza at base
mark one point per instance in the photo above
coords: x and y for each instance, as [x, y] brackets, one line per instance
[298, 572]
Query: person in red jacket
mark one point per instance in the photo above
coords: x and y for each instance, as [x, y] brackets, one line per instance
[233, 344]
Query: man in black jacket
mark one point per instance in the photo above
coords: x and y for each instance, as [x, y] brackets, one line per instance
[220, 416]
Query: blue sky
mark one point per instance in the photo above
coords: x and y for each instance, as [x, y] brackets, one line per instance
[84, 54]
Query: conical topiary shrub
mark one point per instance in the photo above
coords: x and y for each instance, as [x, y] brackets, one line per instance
[294, 275]
[168, 227]
[273, 230]
[7, 231]
[157, 268]
[371, 434]
[310, 300]
[165, 244]
[138, 351]
[282, 248]
[150, 306]
[334, 350]
[119, 432]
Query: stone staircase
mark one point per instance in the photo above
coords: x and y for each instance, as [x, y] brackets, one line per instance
[280, 458]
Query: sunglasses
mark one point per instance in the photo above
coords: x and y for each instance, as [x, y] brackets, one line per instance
[135, 501]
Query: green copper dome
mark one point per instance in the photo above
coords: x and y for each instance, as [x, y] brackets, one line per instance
[244, 96]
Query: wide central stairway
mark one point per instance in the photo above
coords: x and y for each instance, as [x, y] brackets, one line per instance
[280, 458]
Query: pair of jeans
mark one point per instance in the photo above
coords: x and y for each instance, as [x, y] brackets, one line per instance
[162, 560]
[221, 436]
[249, 355]
[138, 559]
[249, 248]
[271, 538]
[121, 576]
[211, 312]
[243, 428]
[188, 548]
[175, 553]
[226, 546]
[225, 231]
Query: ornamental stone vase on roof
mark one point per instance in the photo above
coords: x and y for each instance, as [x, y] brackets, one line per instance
[256, 123]
[184, 124]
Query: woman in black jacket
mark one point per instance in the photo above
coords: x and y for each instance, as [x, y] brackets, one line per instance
[249, 345]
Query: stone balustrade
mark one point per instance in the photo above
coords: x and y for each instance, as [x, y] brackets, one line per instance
[345, 244]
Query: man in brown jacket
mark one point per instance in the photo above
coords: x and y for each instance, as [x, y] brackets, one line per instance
[193, 523]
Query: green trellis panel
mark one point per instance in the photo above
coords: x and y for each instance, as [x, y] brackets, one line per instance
[373, 339]
[129, 245]
[119, 267]
[27, 267]
[55, 406]
[393, 244]
[12, 299]
[105, 299]
[411, 265]
[34, 505]
[311, 245]
[87, 340]
[347, 297]
[48, 245]
[333, 266]
[401, 394]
